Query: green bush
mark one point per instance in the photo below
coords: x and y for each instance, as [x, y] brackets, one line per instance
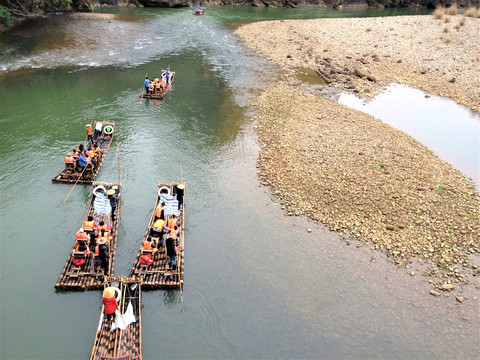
[5, 17]
[59, 4]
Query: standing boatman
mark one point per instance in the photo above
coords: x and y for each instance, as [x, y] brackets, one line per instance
[88, 129]
[113, 201]
[146, 84]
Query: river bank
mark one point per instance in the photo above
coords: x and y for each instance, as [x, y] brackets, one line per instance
[353, 173]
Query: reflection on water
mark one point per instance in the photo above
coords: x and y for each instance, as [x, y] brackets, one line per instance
[451, 130]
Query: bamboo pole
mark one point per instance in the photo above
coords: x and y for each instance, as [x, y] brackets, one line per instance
[73, 187]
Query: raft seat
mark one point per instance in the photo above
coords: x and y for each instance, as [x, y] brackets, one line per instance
[69, 167]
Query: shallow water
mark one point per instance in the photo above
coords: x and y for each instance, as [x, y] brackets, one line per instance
[257, 284]
[451, 130]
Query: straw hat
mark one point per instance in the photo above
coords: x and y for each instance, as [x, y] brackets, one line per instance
[108, 293]
[102, 240]
[181, 186]
[110, 192]
[88, 125]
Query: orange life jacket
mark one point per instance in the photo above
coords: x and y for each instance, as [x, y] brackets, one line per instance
[157, 85]
[97, 150]
[74, 155]
[96, 250]
[88, 225]
[84, 251]
[162, 83]
[103, 227]
[171, 223]
[158, 211]
[69, 159]
[81, 235]
[90, 153]
[151, 86]
[147, 245]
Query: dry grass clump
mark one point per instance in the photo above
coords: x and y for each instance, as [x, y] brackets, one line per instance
[447, 19]
[445, 29]
[452, 9]
[472, 12]
[439, 13]
[460, 23]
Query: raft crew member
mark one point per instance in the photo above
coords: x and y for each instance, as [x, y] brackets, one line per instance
[180, 191]
[160, 212]
[101, 250]
[110, 303]
[113, 201]
[88, 129]
[98, 130]
[171, 253]
[167, 73]
[146, 83]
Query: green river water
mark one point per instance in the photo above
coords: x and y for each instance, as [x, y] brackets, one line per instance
[257, 284]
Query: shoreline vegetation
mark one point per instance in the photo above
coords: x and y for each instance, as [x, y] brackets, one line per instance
[351, 172]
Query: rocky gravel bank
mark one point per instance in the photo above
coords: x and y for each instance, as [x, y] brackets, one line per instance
[350, 171]
[362, 55]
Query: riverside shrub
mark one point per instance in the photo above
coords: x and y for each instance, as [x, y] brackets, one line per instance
[5, 17]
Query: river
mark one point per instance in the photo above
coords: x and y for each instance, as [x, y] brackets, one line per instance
[257, 284]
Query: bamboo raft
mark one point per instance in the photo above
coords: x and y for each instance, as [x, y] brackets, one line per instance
[88, 276]
[158, 95]
[70, 174]
[121, 344]
[199, 11]
[158, 275]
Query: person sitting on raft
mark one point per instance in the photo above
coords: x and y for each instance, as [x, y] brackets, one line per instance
[82, 247]
[69, 159]
[151, 87]
[148, 245]
[102, 227]
[90, 226]
[160, 211]
[110, 303]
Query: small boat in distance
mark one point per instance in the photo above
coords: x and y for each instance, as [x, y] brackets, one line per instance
[158, 87]
[199, 10]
